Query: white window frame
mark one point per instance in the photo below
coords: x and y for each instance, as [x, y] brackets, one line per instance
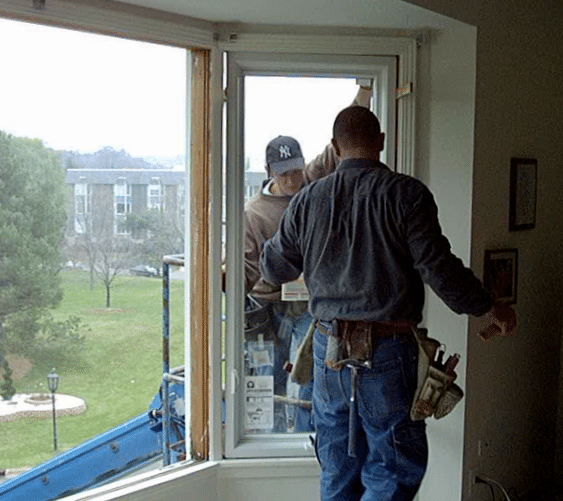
[251, 54]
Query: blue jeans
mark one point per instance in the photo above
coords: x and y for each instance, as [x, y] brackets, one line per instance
[392, 450]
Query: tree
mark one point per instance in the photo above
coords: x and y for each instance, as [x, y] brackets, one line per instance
[7, 389]
[110, 257]
[162, 236]
[33, 202]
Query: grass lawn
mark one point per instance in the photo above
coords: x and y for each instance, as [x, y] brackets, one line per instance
[117, 374]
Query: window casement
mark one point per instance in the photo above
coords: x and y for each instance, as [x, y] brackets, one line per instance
[389, 64]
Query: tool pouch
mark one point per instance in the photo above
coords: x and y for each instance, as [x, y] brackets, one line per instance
[302, 368]
[436, 393]
[349, 343]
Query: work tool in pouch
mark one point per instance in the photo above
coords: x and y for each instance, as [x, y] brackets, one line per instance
[436, 393]
[350, 344]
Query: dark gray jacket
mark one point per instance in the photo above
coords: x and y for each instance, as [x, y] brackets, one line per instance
[366, 239]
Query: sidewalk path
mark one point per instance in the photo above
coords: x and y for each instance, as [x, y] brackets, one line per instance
[27, 405]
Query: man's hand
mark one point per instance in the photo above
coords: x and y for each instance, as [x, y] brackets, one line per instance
[365, 83]
[500, 320]
[363, 97]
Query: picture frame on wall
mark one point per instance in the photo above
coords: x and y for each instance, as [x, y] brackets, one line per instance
[523, 192]
[501, 274]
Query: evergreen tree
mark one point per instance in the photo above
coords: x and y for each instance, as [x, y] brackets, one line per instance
[7, 389]
[33, 203]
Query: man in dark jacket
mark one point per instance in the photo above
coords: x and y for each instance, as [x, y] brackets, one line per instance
[367, 239]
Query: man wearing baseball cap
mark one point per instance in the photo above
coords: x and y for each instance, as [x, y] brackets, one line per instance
[287, 174]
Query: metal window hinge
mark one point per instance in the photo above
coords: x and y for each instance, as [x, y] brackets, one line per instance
[403, 90]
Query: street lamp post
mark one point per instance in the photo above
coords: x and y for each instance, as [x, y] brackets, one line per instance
[53, 380]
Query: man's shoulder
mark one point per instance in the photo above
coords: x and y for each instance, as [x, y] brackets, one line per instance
[399, 179]
[263, 209]
[318, 187]
[259, 200]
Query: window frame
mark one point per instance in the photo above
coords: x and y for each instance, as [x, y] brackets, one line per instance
[253, 54]
[195, 36]
[143, 24]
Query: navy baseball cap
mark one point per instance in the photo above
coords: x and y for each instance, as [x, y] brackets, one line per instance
[284, 154]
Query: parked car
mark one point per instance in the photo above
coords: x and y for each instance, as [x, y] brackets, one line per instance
[144, 270]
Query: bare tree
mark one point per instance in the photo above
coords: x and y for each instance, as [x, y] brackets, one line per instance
[110, 257]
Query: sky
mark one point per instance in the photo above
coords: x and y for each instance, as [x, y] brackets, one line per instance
[78, 91]
[303, 108]
[82, 92]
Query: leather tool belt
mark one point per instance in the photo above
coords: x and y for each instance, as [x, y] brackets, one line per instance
[351, 342]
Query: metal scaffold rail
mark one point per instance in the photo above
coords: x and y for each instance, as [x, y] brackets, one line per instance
[167, 261]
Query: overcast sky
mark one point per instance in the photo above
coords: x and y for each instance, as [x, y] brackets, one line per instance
[81, 92]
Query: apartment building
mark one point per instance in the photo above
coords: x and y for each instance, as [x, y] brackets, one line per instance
[101, 199]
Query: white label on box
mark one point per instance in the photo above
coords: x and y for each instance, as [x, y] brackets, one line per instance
[259, 402]
[295, 291]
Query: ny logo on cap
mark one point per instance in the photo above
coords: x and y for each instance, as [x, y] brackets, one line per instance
[285, 152]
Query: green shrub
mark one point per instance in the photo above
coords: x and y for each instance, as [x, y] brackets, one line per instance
[7, 389]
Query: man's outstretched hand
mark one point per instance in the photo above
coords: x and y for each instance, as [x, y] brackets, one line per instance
[500, 320]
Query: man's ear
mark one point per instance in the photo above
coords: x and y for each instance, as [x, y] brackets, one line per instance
[335, 146]
[380, 141]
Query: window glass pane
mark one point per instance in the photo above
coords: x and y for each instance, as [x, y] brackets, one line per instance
[275, 324]
[86, 122]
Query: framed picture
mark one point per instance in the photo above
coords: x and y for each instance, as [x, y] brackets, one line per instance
[501, 273]
[523, 180]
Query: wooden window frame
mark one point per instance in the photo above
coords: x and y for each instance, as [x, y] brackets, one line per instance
[199, 210]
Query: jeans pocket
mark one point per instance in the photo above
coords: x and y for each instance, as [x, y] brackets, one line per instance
[386, 391]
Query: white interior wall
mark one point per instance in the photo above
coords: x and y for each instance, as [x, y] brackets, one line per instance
[445, 120]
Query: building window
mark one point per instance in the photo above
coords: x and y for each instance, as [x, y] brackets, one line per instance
[92, 141]
[155, 194]
[122, 196]
[82, 207]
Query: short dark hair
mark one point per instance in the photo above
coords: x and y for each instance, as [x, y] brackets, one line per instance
[355, 126]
